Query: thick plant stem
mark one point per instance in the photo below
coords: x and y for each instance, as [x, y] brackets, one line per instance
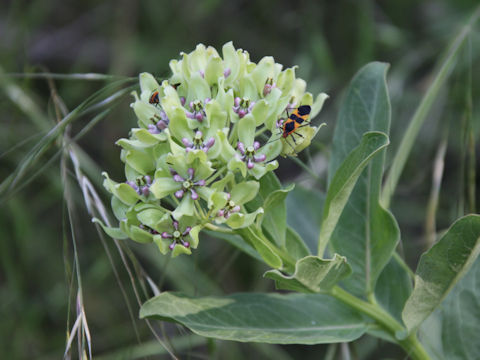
[410, 344]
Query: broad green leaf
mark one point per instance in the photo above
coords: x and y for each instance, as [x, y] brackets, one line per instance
[312, 274]
[275, 217]
[254, 317]
[447, 333]
[294, 245]
[441, 267]
[273, 196]
[345, 178]
[264, 248]
[304, 214]
[365, 234]
[393, 288]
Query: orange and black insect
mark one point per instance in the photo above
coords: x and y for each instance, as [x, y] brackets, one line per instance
[294, 121]
[154, 98]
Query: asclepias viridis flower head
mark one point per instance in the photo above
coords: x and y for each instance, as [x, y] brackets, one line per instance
[205, 138]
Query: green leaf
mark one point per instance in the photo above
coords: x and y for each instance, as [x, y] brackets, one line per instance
[254, 317]
[393, 288]
[365, 233]
[447, 333]
[275, 218]
[295, 245]
[304, 214]
[312, 274]
[344, 181]
[441, 267]
[265, 249]
[115, 233]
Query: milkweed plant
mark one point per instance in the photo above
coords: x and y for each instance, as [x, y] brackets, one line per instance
[202, 157]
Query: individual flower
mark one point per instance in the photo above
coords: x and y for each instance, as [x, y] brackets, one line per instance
[230, 209]
[249, 156]
[187, 182]
[177, 236]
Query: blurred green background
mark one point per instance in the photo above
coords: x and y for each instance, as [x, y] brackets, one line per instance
[329, 40]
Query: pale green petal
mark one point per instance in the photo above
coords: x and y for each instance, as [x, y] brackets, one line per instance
[119, 208]
[228, 152]
[194, 236]
[162, 187]
[273, 148]
[121, 190]
[150, 217]
[179, 250]
[140, 235]
[196, 155]
[217, 116]
[148, 138]
[232, 62]
[244, 192]
[141, 161]
[239, 220]
[248, 88]
[246, 130]
[198, 88]
[318, 104]
[213, 70]
[235, 164]
[146, 113]
[170, 101]
[178, 125]
[115, 233]
[259, 170]
[162, 244]
[206, 193]
[265, 69]
[203, 170]
[148, 85]
[286, 80]
[260, 112]
[219, 200]
[298, 89]
[186, 207]
[220, 184]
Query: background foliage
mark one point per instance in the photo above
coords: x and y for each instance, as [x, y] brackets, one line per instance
[330, 41]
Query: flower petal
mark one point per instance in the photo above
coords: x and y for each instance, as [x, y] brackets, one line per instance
[162, 187]
[244, 192]
[246, 130]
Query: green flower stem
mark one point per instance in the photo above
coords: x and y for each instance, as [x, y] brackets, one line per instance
[233, 135]
[261, 131]
[287, 259]
[220, 229]
[215, 175]
[410, 344]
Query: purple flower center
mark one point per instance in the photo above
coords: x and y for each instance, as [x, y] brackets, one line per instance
[269, 85]
[229, 209]
[189, 184]
[248, 154]
[197, 110]
[160, 123]
[242, 106]
[141, 185]
[177, 236]
[198, 143]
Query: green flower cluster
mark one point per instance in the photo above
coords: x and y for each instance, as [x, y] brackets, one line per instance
[197, 155]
